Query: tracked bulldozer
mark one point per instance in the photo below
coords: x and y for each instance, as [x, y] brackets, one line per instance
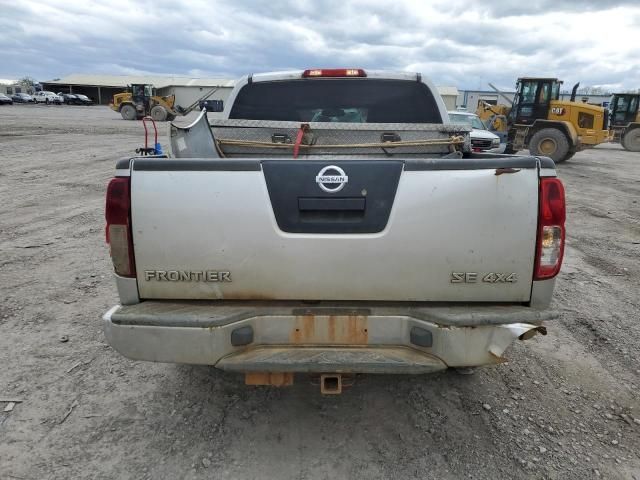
[539, 121]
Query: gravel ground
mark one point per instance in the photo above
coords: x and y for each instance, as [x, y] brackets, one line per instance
[565, 407]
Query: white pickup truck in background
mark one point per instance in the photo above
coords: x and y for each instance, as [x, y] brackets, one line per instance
[482, 140]
[332, 222]
[47, 97]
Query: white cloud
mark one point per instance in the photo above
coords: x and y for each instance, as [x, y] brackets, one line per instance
[457, 42]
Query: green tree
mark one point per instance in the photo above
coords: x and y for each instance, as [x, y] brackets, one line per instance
[27, 81]
[27, 84]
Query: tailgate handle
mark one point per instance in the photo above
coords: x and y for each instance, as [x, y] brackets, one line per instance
[306, 204]
[331, 210]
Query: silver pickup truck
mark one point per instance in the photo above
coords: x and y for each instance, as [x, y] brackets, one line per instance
[331, 222]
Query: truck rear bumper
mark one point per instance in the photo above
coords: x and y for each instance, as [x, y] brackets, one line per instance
[337, 337]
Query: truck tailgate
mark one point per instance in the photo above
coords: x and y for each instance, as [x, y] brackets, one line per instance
[412, 230]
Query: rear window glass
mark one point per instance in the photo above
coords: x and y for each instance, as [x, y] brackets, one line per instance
[337, 100]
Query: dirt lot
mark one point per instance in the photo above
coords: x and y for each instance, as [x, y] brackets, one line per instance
[567, 406]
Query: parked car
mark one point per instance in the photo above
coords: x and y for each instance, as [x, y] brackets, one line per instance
[83, 99]
[4, 100]
[47, 97]
[68, 98]
[22, 98]
[481, 138]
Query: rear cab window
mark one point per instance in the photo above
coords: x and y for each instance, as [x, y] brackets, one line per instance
[353, 100]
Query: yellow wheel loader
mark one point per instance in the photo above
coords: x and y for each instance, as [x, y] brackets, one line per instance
[625, 120]
[141, 101]
[539, 121]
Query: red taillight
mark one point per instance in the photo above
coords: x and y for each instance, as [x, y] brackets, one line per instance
[117, 214]
[334, 73]
[551, 231]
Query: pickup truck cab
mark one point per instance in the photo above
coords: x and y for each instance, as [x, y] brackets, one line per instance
[332, 222]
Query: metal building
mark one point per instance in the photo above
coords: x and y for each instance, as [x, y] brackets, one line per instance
[8, 87]
[102, 88]
[449, 96]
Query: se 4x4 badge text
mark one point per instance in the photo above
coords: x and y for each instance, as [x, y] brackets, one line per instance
[474, 277]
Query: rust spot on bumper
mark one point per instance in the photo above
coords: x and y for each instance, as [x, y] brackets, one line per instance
[330, 330]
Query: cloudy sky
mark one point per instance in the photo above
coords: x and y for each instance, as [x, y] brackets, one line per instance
[455, 42]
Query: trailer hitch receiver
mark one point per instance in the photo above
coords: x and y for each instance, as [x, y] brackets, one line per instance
[331, 384]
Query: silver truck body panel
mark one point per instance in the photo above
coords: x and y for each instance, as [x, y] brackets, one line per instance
[127, 290]
[470, 221]
[194, 140]
[542, 293]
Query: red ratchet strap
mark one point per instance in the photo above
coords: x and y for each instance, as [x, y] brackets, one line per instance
[304, 128]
